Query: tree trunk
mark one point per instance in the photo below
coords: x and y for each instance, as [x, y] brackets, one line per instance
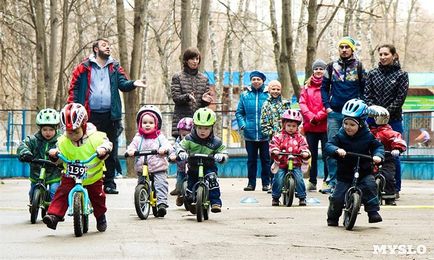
[122, 35]
[202, 34]
[53, 52]
[131, 98]
[185, 26]
[348, 17]
[395, 18]
[300, 27]
[407, 31]
[39, 19]
[63, 47]
[275, 37]
[311, 47]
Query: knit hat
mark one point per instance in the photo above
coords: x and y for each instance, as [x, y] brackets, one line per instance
[257, 73]
[318, 63]
[348, 41]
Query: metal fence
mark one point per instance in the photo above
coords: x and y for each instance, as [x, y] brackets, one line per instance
[15, 125]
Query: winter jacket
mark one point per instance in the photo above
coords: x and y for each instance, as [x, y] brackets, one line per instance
[183, 84]
[312, 109]
[248, 113]
[271, 114]
[79, 89]
[38, 146]
[387, 86]
[193, 144]
[295, 143]
[156, 163]
[180, 165]
[343, 84]
[362, 142]
[84, 148]
[391, 139]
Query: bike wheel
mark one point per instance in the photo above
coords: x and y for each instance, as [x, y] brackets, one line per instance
[141, 201]
[184, 193]
[200, 201]
[46, 204]
[36, 201]
[78, 214]
[206, 206]
[379, 190]
[288, 196]
[352, 207]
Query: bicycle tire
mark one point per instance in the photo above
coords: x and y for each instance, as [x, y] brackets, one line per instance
[184, 193]
[78, 214]
[45, 204]
[379, 190]
[206, 206]
[199, 203]
[352, 210]
[288, 196]
[141, 201]
[36, 202]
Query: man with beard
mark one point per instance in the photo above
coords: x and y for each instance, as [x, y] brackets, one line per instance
[343, 80]
[95, 83]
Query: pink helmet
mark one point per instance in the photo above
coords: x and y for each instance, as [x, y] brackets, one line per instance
[186, 123]
[292, 114]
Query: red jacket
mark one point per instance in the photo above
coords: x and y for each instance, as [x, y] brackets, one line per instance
[295, 143]
[311, 107]
[391, 140]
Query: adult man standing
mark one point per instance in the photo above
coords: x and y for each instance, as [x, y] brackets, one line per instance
[343, 80]
[96, 83]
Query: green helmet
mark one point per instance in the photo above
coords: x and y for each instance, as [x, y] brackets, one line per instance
[48, 116]
[204, 117]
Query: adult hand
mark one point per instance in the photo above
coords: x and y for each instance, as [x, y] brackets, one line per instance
[207, 97]
[192, 98]
[140, 83]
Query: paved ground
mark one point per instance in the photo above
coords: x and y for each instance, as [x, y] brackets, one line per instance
[242, 230]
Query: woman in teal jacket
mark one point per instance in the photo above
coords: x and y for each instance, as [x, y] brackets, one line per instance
[248, 115]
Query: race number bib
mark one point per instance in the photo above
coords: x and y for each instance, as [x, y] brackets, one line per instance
[76, 169]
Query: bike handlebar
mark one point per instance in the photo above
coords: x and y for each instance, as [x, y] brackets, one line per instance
[144, 153]
[365, 156]
[63, 158]
[44, 162]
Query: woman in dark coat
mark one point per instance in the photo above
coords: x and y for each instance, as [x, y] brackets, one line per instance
[190, 88]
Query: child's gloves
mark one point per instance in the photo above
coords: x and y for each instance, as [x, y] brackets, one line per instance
[183, 156]
[395, 153]
[219, 157]
[26, 157]
[376, 159]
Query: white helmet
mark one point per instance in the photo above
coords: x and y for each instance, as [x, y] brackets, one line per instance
[73, 116]
[379, 114]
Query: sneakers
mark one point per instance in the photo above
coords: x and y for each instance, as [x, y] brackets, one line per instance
[390, 202]
[249, 188]
[51, 221]
[275, 202]
[175, 192]
[110, 190]
[374, 217]
[179, 201]
[161, 210]
[101, 223]
[332, 223]
[266, 188]
[216, 208]
[302, 202]
[311, 187]
[397, 195]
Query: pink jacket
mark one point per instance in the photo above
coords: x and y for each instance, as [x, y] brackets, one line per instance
[156, 163]
[295, 143]
[312, 108]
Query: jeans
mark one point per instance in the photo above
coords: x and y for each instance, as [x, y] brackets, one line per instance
[252, 148]
[180, 176]
[369, 197]
[312, 140]
[52, 187]
[334, 123]
[397, 126]
[277, 186]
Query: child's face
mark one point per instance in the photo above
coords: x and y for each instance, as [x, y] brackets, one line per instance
[274, 90]
[48, 132]
[203, 131]
[350, 127]
[75, 135]
[257, 82]
[148, 124]
[183, 133]
[318, 72]
[291, 127]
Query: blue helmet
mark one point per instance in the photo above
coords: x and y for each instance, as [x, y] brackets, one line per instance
[355, 108]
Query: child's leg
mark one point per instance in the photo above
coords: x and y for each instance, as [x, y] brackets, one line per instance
[59, 204]
[300, 188]
[161, 187]
[180, 176]
[388, 170]
[336, 202]
[192, 178]
[278, 183]
[53, 188]
[32, 187]
[369, 190]
[324, 157]
[214, 188]
[97, 198]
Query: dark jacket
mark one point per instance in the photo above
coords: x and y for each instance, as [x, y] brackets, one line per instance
[344, 83]
[182, 85]
[362, 142]
[79, 89]
[387, 86]
[38, 146]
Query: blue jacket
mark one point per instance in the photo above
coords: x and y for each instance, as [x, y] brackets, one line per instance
[362, 142]
[248, 113]
[343, 84]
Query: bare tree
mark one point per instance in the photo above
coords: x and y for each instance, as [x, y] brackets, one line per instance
[185, 26]
[202, 34]
[311, 46]
[122, 36]
[54, 23]
[274, 34]
[348, 17]
[300, 28]
[407, 31]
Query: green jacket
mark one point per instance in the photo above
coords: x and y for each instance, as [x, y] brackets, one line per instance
[38, 146]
